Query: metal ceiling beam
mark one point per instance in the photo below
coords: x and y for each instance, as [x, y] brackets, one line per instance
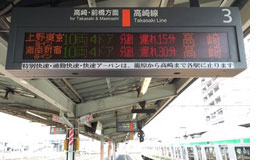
[109, 86]
[82, 85]
[245, 16]
[124, 100]
[182, 83]
[110, 116]
[167, 3]
[65, 120]
[83, 131]
[226, 3]
[121, 118]
[118, 136]
[37, 103]
[72, 89]
[42, 87]
[109, 125]
[144, 85]
[109, 131]
[103, 117]
[164, 3]
[118, 140]
[92, 3]
[185, 3]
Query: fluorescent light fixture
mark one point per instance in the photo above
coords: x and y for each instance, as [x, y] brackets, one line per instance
[36, 115]
[145, 85]
[134, 115]
[99, 128]
[24, 82]
[28, 95]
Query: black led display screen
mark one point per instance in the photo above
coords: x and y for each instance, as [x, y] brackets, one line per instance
[176, 45]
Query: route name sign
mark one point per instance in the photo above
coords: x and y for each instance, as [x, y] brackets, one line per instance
[116, 42]
[126, 126]
[55, 130]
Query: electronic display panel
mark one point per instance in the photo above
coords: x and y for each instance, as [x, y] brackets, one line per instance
[44, 46]
[126, 127]
[125, 42]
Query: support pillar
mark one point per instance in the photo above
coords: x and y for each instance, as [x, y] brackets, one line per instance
[71, 136]
[114, 150]
[71, 145]
[102, 149]
[109, 150]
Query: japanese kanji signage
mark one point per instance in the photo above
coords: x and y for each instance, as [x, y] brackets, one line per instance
[58, 46]
[118, 42]
[126, 127]
[56, 118]
[55, 130]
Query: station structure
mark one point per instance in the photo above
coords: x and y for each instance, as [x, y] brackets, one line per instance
[109, 109]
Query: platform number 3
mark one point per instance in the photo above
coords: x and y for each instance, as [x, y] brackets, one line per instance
[227, 15]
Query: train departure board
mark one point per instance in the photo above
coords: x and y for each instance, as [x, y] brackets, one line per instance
[125, 42]
[125, 46]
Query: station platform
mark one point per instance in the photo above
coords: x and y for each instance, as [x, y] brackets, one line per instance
[129, 157]
[120, 156]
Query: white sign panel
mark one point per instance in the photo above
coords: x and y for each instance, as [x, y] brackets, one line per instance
[57, 119]
[127, 65]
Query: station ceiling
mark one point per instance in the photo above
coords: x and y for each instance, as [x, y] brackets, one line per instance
[107, 99]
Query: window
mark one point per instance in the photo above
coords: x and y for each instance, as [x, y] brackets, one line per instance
[224, 152]
[207, 118]
[183, 152]
[178, 152]
[172, 152]
[199, 152]
[210, 153]
[218, 100]
[165, 151]
[210, 93]
[162, 151]
[209, 83]
[204, 90]
[212, 103]
[213, 115]
[216, 88]
[169, 152]
[190, 153]
[220, 112]
[242, 153]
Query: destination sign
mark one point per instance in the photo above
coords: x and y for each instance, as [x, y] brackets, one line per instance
[45, 46]
[125, 42]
